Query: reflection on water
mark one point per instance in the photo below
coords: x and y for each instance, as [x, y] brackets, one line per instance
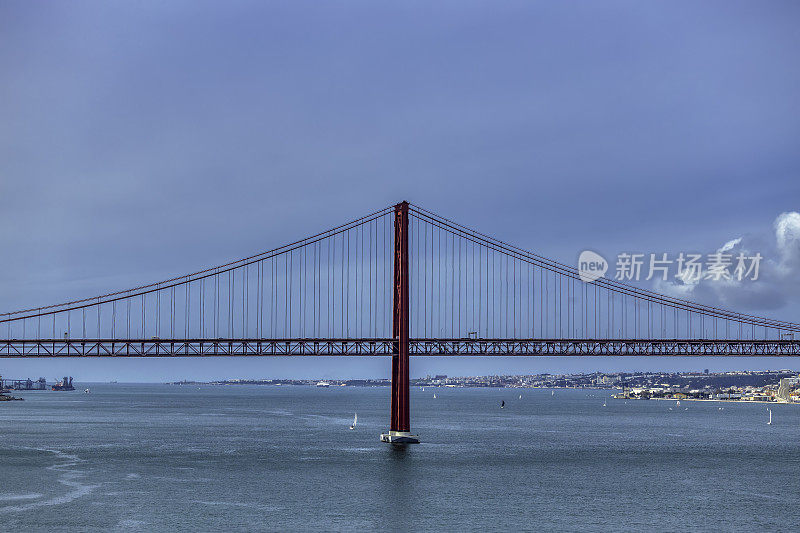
[399, 486]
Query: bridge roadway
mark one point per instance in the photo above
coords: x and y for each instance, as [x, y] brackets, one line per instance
[157, 347]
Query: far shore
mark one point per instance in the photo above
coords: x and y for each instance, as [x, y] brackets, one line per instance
[720, 401]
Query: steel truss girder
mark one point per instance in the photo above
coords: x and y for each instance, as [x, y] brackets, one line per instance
[605, 347]
[363, 347]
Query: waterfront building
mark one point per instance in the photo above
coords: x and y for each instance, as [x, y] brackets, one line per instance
[785, 388]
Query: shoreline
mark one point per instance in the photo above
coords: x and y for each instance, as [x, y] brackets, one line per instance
[705, 400]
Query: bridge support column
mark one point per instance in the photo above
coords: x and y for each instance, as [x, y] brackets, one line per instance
[400, 420]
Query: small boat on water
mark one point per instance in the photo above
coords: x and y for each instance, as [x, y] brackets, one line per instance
[677, 403]
[323, 384]
[520, 396]
[604, 403]
[769, 423]
[355, 421]
[86, 391]
[434, 395]
[552, 393]
[502, 404]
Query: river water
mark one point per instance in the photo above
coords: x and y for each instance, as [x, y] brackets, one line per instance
[281, 458]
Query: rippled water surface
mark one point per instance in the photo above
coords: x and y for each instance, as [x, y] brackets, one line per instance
[244, 458]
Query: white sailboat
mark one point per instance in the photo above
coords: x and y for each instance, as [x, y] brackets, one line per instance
[770, 417]
[434, 395]
[355, 421]
[604, 403]
[678, 403]
[520, 396]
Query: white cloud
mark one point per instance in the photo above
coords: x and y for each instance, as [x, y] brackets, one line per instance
[787, 237]
[730, 245]
[778, 280]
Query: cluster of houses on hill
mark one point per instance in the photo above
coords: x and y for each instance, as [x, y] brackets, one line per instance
[786, 391]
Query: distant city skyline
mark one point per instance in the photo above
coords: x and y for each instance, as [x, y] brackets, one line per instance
[158, 370]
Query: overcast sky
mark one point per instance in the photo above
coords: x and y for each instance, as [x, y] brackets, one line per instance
[142, 140]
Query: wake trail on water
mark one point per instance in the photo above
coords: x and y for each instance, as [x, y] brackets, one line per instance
[68, 475]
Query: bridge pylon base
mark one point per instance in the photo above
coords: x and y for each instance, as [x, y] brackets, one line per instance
[399, 437]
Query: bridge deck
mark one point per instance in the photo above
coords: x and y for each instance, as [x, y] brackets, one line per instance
[369, 347]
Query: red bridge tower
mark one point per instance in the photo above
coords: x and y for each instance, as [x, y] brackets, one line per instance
[400, 423]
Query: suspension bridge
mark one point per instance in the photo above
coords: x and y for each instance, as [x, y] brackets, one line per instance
[400, 281]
